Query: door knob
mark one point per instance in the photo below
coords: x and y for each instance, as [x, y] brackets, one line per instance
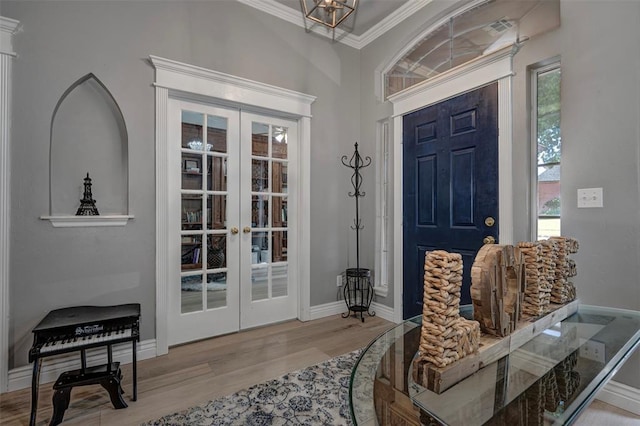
[489, 240]
[234, 230]
[246, 229]
[489, 221]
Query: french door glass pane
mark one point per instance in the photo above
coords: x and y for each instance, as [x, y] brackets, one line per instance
[260, 247]
[259, 211]
[216, 133]
[217, 212]
[191, 294]
[279, 216]
[259, 175]
[192, 130]
[280, 280]
[279, 174]
[211, 159]
[216, 173]
[269, 189]
[259, 139]
[191, 252]
[279, 246]
[259, 283]
[216, 251]
[191, 212]
[216, 290]
[279, 142]
[191, 171]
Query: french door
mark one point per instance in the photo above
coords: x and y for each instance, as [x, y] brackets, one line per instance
[232, 180]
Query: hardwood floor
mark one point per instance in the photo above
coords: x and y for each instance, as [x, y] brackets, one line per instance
[197, 372]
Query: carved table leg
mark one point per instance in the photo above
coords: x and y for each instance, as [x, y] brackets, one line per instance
[112, 385]
[61, 398]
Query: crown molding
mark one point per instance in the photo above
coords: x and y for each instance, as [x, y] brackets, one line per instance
[283, 12]
[391, 21]
[174, 75]
[8, 27]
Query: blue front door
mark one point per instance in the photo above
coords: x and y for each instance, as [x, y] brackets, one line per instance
[450, 185]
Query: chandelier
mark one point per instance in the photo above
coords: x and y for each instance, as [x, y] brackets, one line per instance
[328, 12]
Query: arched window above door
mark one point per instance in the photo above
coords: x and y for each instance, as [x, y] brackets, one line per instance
[477, 29]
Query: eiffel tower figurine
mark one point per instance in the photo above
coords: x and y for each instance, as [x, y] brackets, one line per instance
[87, 204]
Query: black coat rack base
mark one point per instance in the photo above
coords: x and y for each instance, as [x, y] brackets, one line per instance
[358, 293]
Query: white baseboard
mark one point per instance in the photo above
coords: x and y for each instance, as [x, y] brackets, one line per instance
[621, 396]
[20, 378]
[328, 309]
[382, 311]
[339, 307]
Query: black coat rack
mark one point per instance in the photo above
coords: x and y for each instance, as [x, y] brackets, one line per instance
[358, 290]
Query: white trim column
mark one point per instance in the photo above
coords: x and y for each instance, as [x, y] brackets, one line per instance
[495, 67]
[8, 28]
[162, 220]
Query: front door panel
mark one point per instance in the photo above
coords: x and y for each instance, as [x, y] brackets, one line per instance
[450, 181]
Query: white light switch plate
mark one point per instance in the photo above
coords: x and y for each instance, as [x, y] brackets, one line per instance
[590, 197]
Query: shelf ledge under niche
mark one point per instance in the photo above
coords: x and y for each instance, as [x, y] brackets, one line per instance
[87, 221]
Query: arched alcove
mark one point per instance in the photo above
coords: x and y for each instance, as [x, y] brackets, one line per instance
[88, 135]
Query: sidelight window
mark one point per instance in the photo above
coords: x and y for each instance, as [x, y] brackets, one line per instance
[548, 143]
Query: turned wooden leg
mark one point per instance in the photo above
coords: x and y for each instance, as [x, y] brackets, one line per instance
[112, 385]
[61, 398]
[35, 383]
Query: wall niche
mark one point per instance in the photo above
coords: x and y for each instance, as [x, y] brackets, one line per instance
[88, 135]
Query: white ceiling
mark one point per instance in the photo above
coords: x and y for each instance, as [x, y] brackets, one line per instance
[371, 19]
[368, 13]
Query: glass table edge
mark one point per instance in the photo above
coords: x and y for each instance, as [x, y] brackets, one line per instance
[385, 344]
[576, 407]
[608, 371]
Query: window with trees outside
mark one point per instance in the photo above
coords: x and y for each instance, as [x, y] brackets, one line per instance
[547, 134]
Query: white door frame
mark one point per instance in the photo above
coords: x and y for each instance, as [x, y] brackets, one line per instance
[474, 74]
[187, 81]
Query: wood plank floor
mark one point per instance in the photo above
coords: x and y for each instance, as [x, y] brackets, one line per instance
[195, 373]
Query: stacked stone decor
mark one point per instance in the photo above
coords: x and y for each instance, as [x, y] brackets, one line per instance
[564, 290]
[537, 293]
[547, 272]
[446, 337]
[517, 291]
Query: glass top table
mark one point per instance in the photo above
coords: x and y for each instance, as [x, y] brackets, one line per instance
[548, 380]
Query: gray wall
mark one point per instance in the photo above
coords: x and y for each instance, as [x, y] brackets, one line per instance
[61, 42]
[597, 42]
[598, 46]
[374, 111]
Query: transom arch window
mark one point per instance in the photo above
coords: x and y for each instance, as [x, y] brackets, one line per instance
[479, 28]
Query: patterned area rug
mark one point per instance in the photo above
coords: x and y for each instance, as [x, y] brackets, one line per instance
[316, 395]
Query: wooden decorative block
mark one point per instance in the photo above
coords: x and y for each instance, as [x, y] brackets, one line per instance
[497, 284]
[491, 348]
